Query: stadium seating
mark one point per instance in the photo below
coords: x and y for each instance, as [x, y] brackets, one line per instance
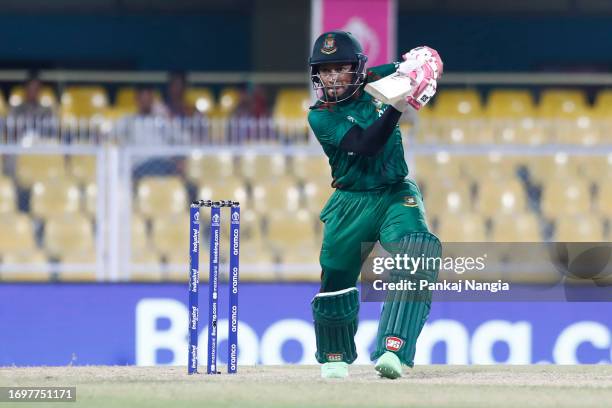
[495, 198]
[224, 189]
[54, 198]
[276, 195]
[68, 235]
[582, 227]
[461, 227]
[169, 237]
[161, 196]
[91, 199]
[448, 199]
[201, 99]
[36, 167]
[82, 168]
[516, 227]
[316, 194]
[8, 195]
[202, 167]
[308, 167]
[17, 234]
[83, 101]
[125, 98]
[31, 266]
[282, 231]
[290, 111]
[228, 101]
[603, 202]
[261, 166]
[565, 197]
[46, 98]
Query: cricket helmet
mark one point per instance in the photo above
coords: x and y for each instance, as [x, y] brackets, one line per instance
[337, 47]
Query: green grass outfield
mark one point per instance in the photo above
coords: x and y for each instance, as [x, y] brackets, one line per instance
[300, 386]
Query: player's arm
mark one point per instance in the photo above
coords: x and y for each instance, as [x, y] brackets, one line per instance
[336, 130]
[370, 141]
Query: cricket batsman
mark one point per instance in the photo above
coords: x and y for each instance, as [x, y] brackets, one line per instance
[373, 201]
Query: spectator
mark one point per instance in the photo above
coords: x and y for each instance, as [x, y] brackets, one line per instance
[175, 96]
[31, 105]
[146, 104]
[253, 102]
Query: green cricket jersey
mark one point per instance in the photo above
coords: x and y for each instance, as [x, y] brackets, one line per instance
[350, 171]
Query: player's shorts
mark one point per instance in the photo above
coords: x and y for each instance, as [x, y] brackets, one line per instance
[353, 218]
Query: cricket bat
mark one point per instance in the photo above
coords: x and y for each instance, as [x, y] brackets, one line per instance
[392, 89]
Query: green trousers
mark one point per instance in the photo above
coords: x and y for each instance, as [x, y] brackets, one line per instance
[355, 220]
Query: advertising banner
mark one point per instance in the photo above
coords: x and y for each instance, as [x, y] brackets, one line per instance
[146, 324]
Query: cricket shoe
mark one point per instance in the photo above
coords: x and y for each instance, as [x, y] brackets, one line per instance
[389, 365]
[336, 369]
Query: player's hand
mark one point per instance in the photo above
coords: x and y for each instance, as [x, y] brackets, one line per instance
[423, 66]
[419, 56]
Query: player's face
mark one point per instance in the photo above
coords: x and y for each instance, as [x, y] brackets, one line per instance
[336, 78]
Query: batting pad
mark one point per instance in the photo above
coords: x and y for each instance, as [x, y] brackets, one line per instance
[405, 311]
[335, 317]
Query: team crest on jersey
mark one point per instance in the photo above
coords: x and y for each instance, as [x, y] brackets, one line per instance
[393, 343]
[350, 119]
[410, 201]
[329, 45]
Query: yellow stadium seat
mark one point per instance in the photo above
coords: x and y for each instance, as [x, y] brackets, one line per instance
[47, 97]
[223, 189]
[17, 233]
[91, 199]
[308, 167]
[283, 227]
[316, 193]
[441, 166]
[498, 198]
[228, 101]
[596, 168]
[69, 235]
[28, 266]
[461, 227]
[566, 198]
[83, 168]
[37, 167]
[54, 198]
[562, 103]
[262, 167]
[494, 166]
[603, 202]
[84, 101]
[515, 103]
[140, 237]
[8, 195]
[517, 227]
[448, 199]
[512, 116]
[278, 195]
[161, 196]
[126, 98]
[3, 108]
[291, 110]
[579, 228]
[169, 235]
[201, 99]
[457, 103]
[204, 167]
[559, 166]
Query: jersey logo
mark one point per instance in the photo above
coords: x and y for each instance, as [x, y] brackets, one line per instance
[334, 357]
[350, 119]
[393, 343]
[410, 201]
[329, 45]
